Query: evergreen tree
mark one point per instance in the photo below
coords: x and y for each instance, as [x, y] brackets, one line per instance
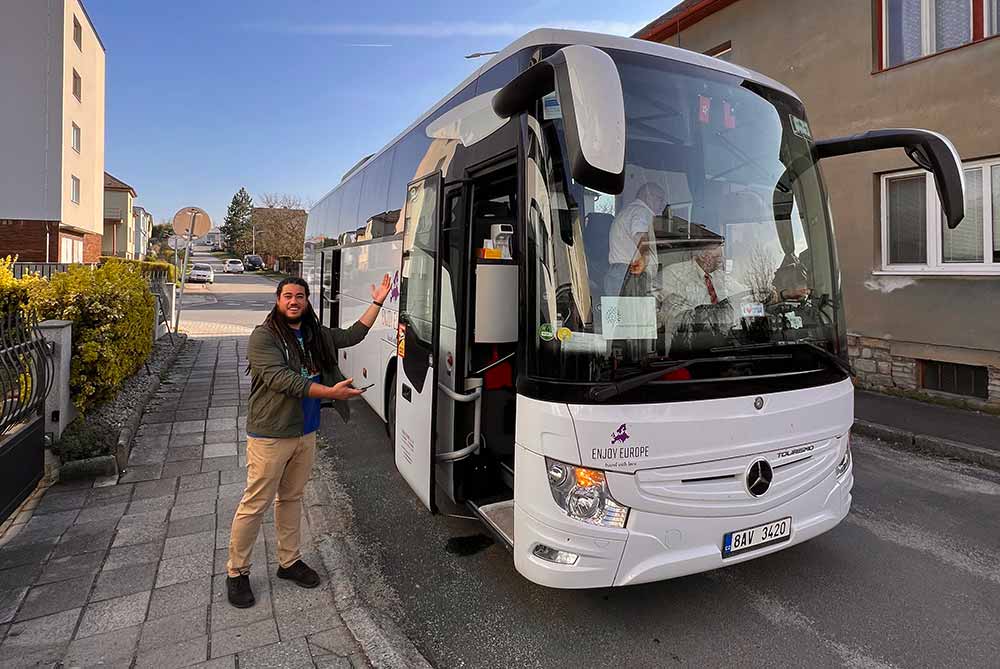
[236, 229]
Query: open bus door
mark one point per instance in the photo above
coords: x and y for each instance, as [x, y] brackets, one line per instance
[418, 337]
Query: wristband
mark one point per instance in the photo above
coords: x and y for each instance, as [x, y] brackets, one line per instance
[379, 304]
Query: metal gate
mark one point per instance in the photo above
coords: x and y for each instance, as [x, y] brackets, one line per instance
[26, 370]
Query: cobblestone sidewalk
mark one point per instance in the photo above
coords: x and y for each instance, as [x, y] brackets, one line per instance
[133, 574]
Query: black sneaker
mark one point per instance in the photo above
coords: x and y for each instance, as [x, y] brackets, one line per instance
[301, 573]
[240, 594]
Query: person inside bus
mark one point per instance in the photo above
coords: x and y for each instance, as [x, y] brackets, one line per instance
[632, 263]
[698, 289]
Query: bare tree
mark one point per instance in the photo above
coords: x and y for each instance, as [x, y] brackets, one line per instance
[281, 201]
[758, 273]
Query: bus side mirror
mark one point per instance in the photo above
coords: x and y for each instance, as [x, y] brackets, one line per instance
[929, 150]
[589, 89]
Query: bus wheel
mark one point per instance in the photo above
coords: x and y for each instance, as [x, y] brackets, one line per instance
[390, 413]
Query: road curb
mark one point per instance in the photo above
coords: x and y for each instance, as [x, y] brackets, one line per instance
[922, 443]
[383, 643]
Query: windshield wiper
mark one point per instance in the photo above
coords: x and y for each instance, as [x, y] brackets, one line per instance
[606, 391]
[832, 358]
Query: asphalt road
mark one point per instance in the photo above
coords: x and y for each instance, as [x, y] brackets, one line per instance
[233, 305]
[910, 579]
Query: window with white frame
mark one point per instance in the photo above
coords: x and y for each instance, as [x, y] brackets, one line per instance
[915, 237]
[916, 28]
[74, 193]
[993, 12]
[76, 138]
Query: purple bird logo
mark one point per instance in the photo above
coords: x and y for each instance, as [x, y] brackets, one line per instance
[620, 435]
[394, 291]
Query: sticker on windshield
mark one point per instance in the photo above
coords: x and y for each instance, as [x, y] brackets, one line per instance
[752, 309]
[794, 320]
[564, 334]
[800, 127]
[585, 342]
[550, 107]
[546, 332]
[628, 317]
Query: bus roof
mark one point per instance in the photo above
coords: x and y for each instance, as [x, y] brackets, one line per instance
[550, 36]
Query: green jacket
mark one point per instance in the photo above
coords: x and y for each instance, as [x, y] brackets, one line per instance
[277, 388]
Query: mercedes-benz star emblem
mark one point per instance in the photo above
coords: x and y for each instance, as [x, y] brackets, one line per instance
[759, 476]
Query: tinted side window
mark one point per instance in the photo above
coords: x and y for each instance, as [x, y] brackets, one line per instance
[373, 194]
[500, 74]
[351, 193]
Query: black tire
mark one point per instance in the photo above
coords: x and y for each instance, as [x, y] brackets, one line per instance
[390, 413]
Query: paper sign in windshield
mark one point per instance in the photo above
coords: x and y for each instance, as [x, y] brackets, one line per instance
[752, 310]
[628, 317]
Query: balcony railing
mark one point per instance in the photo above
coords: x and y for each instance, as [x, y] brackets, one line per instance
[113, 212]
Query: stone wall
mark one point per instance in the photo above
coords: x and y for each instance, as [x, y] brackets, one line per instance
[880, 370]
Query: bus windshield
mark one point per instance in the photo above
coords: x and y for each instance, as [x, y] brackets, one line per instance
[720, 248]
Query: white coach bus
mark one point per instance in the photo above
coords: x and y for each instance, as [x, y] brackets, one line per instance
[616, 328]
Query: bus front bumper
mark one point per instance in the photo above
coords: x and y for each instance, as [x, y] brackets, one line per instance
[655, 547]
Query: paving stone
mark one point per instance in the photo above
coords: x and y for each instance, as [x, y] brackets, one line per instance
[183, 654]
[335, 641]
[41, 635]
[196, 496]
[182, 440]
[293, 624]
[142, 473]
[183, 568]
[150, 504]
[175, 628]
[124, 581]
[182, 511]
[127, 556]
[180, 597]
[113, 614]
[9, 601]
[232, 490]
[48, 525]
[36, 551]
[217, 424]
[220, 450]
[141, 534]
[199, 481]
[62, 501]
[220, 464]
[73, 566]
[336, 662]
[290, 598]
[120, 492]
[99, 513]
[178, 453]
[284, 654]
[202, 543]
[152, 439]
[225, 616]
[43, 600]
[191, 525]
[64, 486]
[182, 467]
[158, 418]
[223, 412]
[221, 436]
[227, 662]
[146, 489]
[103, 650]
[88, 538]
[147, 455]
[254, 635]
[15, 577]
[152, 518]
[188, 427]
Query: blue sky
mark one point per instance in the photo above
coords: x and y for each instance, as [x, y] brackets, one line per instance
[205, 97]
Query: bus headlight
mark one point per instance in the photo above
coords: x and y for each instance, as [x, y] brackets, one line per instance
[845, 462]
[583, 494]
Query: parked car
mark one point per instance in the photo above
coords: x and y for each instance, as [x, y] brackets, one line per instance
[253, 262]
[233, 266]
[201, 273]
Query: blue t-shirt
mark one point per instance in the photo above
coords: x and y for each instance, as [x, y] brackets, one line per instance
[310, 405]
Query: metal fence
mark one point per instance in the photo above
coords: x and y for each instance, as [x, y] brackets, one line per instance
[26, 371]
[45, 269]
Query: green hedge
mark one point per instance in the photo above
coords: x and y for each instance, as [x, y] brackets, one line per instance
[146, 267]
[111, 309]
[13, 293]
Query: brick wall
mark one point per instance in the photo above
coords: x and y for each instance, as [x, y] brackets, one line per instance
[92, 247]
[878, 369]
[26, 239]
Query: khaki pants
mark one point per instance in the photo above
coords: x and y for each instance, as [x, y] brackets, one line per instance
[274, 466]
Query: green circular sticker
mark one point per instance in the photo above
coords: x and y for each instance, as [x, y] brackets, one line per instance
[546, 332]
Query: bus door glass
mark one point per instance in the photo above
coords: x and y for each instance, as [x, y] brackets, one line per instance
[330, 277]
[418, 335]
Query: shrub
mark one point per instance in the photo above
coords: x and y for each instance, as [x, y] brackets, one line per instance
[13, 293]
[111, 309]
[85, 438]
[146, 267]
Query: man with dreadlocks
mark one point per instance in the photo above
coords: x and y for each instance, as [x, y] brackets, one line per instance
[293, 364]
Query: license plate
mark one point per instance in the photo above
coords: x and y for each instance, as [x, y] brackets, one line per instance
[741, 541]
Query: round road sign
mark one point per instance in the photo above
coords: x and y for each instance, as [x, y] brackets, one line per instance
[192, 220]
